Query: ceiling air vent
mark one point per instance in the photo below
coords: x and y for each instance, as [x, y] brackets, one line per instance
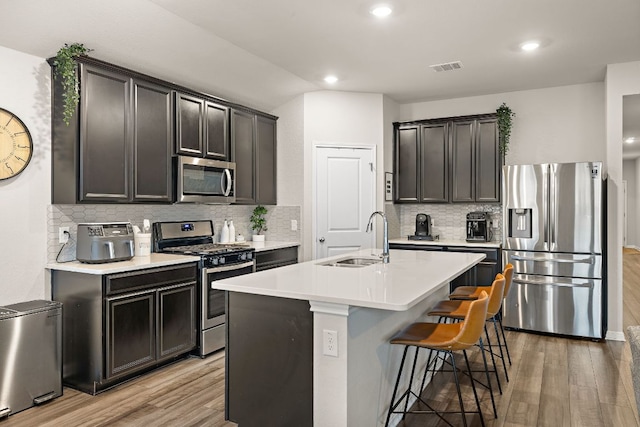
[447, 66]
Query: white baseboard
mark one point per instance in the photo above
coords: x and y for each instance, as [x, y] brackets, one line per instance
[615, 336]
[632, 247]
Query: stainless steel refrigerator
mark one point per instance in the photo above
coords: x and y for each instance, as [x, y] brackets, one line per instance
[553, 219]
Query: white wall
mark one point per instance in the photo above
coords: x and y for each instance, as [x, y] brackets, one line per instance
[25, 89]
[629, 174]
[290, 152]
[621, 79]
[342, 118]
[559, 124]
[391, 210]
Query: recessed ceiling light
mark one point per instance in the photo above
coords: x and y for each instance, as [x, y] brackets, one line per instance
[529, 46]
[331, 79]
[381, 11]
[630, 140]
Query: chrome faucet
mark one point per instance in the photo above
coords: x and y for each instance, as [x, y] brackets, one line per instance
[385, 236]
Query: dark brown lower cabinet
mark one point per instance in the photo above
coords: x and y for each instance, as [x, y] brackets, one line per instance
[274, 258]
[149, 326]
[131, 334]
[480, 275]
[176, 320]
[119, 325]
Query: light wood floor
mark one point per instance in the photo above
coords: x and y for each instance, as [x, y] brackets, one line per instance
[557, 382]
[554, 382]
[187, 393]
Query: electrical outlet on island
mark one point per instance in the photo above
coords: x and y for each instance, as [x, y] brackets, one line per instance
[330, 343]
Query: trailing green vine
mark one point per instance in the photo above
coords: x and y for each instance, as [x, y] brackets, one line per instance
[505, 121]
[65, 68]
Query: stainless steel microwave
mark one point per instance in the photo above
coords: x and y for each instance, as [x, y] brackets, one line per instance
[205, 180]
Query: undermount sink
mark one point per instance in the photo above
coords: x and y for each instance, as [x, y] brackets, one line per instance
[352, 262]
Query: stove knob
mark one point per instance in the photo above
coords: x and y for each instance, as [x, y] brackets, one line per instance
[214, 261]
[243, 257]
[222, 260]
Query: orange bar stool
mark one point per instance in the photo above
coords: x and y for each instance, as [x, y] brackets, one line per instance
[472, 292]
[443, 339]
[457, 310]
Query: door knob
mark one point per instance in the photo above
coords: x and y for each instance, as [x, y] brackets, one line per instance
[321, 240]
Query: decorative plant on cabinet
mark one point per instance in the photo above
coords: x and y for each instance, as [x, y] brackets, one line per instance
[505, 121]
[65, 68]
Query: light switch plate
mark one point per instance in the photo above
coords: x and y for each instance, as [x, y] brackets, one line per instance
[388, 187]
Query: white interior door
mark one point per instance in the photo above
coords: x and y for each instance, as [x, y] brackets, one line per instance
[345, 188]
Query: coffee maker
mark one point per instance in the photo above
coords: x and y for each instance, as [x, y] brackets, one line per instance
[423, 228]
[478, 227]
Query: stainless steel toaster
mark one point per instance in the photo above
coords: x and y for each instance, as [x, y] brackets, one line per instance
[104, 242]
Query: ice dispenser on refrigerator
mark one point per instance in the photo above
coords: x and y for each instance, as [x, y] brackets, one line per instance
[519, 221]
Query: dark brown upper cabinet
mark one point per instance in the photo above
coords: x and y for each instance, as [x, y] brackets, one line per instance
[117, 147]
[120, 144]
[407, 163]
[488, 161]
[254, 152]
[434, 163]
[202, 127]
[447, 160]
[152, 142]
[265, 173]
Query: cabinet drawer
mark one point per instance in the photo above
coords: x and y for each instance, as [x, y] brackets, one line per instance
[276, 258]
[491, 254]
[410, 247]
[150, 278]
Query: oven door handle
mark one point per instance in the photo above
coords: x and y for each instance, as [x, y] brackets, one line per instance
[229, 267]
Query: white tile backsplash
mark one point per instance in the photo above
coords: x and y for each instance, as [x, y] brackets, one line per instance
[278, 220]
[449, 219]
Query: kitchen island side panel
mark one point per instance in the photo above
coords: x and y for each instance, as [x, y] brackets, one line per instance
[269, 361]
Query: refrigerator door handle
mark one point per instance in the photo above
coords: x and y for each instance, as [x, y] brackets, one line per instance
[546, 209]
[545, 283]
[553, 206]
[588, 260]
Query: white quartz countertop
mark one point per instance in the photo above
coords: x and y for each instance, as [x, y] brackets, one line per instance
[135, 263]
[409, 277]
[445, 242]
[269, 245]
[154, 260]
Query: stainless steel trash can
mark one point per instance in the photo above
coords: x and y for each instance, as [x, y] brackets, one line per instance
[30, 354]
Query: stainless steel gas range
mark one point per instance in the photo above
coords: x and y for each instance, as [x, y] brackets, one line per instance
[217, 261]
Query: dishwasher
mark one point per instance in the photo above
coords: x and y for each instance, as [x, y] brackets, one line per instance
[30, 355]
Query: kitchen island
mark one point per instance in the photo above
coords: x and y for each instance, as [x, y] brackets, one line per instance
[307, 344]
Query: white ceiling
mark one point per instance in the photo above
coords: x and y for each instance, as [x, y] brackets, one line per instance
[264, 53]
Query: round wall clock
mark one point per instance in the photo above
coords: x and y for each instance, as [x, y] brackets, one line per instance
[15, 145]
